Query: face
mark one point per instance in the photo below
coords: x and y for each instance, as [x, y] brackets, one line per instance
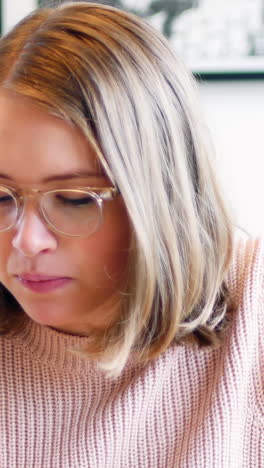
[38, 150]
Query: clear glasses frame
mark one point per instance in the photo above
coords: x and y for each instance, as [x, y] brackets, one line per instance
[99, 194]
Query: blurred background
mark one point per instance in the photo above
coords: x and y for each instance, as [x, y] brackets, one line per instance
[222, 43]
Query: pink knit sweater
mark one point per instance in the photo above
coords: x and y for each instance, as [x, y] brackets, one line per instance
[189, 408]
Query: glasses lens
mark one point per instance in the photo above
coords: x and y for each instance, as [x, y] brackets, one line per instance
[8, 209]
[73, 212]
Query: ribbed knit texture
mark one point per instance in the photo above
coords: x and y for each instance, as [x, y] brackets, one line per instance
[189, 408]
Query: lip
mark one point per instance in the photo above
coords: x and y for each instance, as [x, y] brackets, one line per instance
[42, 283]
[38, 276]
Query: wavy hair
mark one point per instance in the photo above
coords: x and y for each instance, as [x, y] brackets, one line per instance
[113, 76]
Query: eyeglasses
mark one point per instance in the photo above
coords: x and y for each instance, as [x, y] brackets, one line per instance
[70, 212]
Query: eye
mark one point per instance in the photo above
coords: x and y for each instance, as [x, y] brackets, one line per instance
[73, 201]
[5, 198]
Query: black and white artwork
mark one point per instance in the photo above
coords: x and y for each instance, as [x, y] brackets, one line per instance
[211, 36]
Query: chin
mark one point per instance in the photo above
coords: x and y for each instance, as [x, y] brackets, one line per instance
[46, 315]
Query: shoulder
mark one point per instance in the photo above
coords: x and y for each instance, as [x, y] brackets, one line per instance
[246, 283]
[246, 274]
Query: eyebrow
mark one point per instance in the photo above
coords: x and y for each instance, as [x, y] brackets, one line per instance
[66, 176]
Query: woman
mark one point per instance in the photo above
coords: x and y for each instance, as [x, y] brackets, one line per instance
[132, 309]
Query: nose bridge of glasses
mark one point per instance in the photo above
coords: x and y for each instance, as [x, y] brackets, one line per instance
[31, 192]
[28, 198]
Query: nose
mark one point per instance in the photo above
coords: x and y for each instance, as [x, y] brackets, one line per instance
[32, 235]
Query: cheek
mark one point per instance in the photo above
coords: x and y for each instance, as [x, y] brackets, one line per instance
[5, 251]
[106, 253]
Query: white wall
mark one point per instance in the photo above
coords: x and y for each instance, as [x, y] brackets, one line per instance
[235, 114]
[14, 10]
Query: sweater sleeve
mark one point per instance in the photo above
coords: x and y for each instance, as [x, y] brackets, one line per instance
[259, 370]
[261, 333]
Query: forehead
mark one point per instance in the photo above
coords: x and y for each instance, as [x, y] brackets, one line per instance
[35, 145]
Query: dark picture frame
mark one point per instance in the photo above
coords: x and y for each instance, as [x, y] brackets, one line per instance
[216, 39]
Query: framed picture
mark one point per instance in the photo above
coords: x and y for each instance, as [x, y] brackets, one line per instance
[214, 38]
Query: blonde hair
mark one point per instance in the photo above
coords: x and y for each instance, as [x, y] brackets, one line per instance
[120, 82]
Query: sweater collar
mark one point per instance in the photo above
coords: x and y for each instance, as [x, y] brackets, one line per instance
[52, 347]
